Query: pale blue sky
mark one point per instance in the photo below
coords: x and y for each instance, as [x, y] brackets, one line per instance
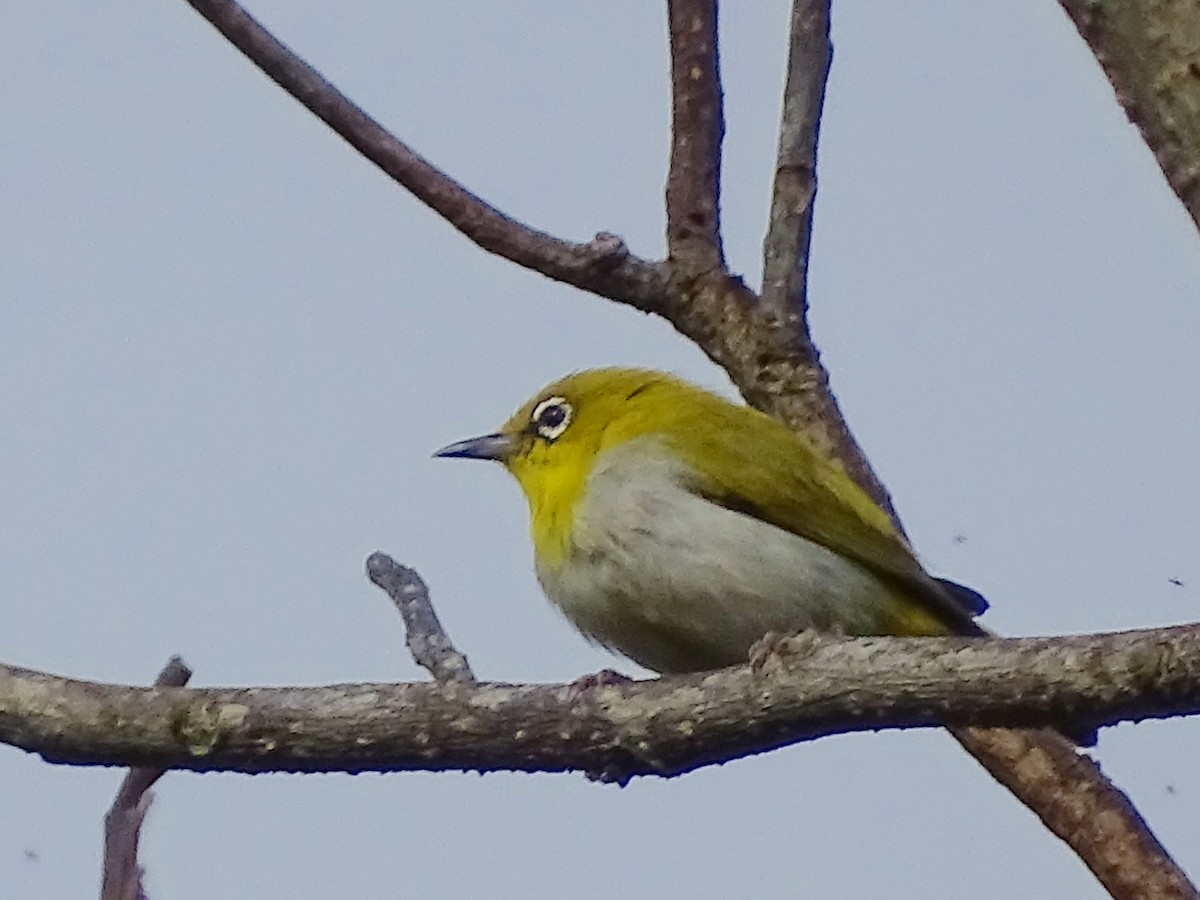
[229, 346]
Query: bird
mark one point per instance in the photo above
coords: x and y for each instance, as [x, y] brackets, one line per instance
[677, 528]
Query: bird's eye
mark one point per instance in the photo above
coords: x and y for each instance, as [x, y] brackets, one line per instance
[551, 417]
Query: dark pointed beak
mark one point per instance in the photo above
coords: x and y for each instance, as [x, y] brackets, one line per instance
[487, 446]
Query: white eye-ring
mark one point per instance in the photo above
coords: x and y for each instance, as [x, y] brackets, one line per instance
[551, 417]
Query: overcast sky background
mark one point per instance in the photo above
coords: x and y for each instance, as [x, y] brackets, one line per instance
[228, 347]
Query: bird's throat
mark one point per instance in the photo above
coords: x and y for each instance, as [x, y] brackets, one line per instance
[555, 494]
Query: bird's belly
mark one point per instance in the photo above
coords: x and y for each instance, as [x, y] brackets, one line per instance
[678, 583]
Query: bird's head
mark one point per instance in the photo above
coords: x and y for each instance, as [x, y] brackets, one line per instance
[553, 443]
[559, 433]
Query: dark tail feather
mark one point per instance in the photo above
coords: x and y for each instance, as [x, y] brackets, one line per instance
[971, 600]
[1083, 735]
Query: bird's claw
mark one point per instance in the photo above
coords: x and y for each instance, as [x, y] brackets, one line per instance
[774, 645]
[604, 678]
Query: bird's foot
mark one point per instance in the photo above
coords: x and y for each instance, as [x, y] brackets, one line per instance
[604, 678]
[766, 648]
[774, 645]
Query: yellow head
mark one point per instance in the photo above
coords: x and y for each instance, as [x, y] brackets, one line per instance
[551, 444]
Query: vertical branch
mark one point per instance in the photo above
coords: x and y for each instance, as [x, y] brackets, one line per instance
[789, 231]
[697, 129]
[783, 305]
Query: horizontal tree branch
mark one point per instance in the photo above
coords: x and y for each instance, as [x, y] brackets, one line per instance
[816, 686]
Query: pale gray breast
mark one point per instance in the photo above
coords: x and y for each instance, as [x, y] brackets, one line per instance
[678, 583]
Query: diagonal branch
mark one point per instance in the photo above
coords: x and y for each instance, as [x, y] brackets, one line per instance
[1151, 55]
[814, 687]
[789, 230]
[1094, 817]
[697, 129]
[768, 359]
[603, 266]
[427, 640]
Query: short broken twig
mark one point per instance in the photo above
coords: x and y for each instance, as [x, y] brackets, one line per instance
[426, 639]
[123, 821]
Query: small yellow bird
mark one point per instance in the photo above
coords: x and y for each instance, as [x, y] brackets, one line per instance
[678, 529]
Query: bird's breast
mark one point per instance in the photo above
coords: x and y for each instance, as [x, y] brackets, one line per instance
[679, 583]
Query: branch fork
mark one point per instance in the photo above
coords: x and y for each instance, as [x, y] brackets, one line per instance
[763, 342]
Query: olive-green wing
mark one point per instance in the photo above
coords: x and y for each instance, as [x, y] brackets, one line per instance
[778, 477]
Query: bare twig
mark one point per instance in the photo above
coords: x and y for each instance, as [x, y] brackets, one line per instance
[123, 822]
[1151, 55]
[427, 641]
[697, 129]
[814, 687]
[1120, 848]
[598, 266]
[789, 230]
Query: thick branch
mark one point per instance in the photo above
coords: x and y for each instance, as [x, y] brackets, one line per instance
[602, 266]
[662, 727]
[697, 129]
[1150, 51]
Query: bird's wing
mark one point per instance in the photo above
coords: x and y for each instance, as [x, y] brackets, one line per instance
[780, 479]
